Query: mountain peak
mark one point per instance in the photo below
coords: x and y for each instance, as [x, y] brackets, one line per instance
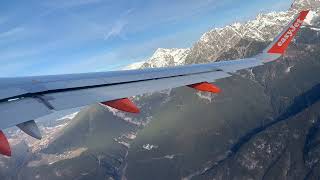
[163, 57]
[160, 52]
[216, 43]
[305, 4]
[167, 57]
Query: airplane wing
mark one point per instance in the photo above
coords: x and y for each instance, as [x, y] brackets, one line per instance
[24, 99]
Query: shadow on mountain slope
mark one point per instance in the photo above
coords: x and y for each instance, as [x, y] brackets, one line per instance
[300, 103]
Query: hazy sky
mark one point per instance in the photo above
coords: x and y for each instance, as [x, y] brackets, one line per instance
[70, 36]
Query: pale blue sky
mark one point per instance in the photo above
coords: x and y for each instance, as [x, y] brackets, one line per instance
[59, 36]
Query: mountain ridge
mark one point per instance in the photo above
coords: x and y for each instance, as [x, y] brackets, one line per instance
[214, 43]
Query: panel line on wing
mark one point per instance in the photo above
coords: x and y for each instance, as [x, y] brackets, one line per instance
[97, 86]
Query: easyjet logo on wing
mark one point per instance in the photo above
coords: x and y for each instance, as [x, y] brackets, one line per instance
[293, 28]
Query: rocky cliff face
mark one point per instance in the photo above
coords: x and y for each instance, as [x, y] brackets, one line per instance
[233, 41]
[244, 40]
[238, 40]
[167, 57]
[305, 4]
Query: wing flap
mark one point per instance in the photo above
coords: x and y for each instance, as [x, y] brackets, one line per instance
[84, 97]
[29, 108]
[21, 110]
[39, 84]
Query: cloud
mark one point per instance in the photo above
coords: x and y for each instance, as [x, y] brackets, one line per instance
[11, 32]
[116, 30]
[118, 27]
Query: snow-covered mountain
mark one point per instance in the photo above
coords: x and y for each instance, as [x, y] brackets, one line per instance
[167, 57]
[136, 65]
[305, 4]
[216, 43]
[239, 39]
[162, 58]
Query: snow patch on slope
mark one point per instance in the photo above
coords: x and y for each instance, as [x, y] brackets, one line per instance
[123, 116]
[289, 69]
[162, 58]
[149, 147]
[167, 57]
[136, 65]
[69, 116]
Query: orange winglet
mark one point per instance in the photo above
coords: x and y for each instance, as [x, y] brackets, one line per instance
[205, 86]
[123, 104]
[284, 40]
[4, 145]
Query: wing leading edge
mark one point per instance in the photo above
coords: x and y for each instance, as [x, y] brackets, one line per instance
[27, 98]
